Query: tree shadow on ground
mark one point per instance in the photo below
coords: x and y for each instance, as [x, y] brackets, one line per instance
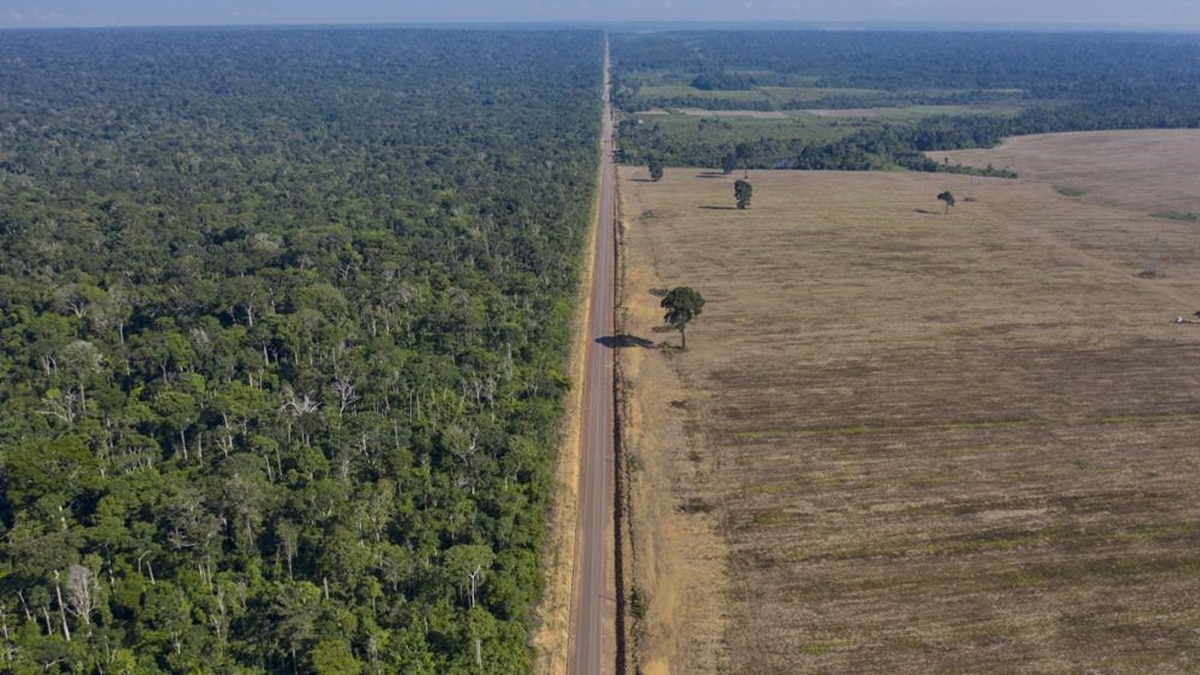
[711, 174]
[626, 342]
[720, 208]
[927, 212]
[642, 180]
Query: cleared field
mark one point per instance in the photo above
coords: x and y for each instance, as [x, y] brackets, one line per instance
[752, 114]
[908, 442]
[1150, 171]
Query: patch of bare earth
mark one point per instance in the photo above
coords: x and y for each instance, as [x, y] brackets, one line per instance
[908, 442]
[846, 112]
[748, 114]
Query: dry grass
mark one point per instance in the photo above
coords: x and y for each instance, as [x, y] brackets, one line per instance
[1148, 171]
[929, 443]
[678, 559]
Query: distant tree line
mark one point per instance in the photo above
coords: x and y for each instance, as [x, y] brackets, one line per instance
[901, 145]
[715, 78]
[912, 66]
[1058, 82]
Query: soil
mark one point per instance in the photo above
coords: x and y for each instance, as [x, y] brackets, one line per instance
[1145, 171]
[908, 441]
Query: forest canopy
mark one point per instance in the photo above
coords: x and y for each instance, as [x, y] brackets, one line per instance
[284, 314]
[875, 100]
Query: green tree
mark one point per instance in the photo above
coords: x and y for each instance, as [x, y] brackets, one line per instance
[655, 165]
[742, 191]
[333, 657]
[744, 153]
[294, 615]
[729, 163]
[947, 197]
[683, 304]
[467, 566]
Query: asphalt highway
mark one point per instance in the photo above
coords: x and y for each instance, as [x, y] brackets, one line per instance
[593, 641]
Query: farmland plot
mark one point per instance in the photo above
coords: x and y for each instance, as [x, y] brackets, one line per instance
[909, 441]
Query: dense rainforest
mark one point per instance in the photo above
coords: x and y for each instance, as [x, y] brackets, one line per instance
[284, 314]
[976, 88]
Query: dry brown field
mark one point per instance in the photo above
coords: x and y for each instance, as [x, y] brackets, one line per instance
[902, 441]
[1146, 171]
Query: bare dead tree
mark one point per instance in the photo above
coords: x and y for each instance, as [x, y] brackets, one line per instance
[81, 593]
[289, 538]
[345, 393]
[62, 607]
[64, 405]
[149, 569]
[71, 300]
[463, 443]
[8, 645]
[298, 406]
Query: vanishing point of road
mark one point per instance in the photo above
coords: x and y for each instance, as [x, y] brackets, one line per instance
[593, 601]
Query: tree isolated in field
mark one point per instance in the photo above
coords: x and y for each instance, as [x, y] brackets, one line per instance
[656, 168]
[683, 304]
[947, 197]
[742, 191]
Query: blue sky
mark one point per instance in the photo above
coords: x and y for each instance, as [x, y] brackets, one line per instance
[1115, 13]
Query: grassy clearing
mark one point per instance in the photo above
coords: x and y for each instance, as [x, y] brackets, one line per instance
[724, 129]
[919, 443]
[788, 95]
[677, 91]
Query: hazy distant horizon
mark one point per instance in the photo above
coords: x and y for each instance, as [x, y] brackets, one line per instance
[832, 26]
[1150, 15]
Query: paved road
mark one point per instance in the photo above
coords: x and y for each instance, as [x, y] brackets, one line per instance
[593, 640]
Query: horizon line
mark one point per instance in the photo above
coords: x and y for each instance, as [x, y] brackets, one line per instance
[667, 24]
